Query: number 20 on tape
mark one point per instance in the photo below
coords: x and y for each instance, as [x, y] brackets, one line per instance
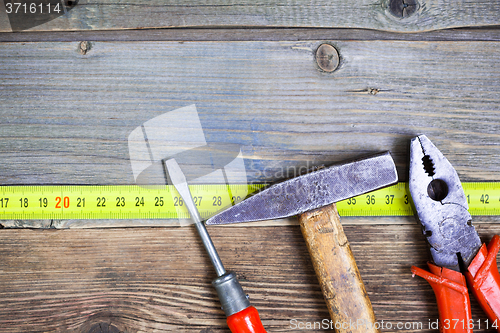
[114, 202]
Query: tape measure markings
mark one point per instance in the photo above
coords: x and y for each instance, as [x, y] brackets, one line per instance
[389, 201]
[163, 202]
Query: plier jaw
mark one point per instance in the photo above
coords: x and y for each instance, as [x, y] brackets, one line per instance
[441, 206]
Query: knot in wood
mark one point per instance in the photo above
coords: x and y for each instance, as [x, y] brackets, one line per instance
[403, 8]
[327, 58]
[104, 328]
[84, 47]
[69, 3]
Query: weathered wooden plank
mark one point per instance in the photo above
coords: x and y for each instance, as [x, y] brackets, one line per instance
[66, 116]
[387, 15]
[138, 279]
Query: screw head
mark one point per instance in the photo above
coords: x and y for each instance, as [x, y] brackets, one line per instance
[327, 58]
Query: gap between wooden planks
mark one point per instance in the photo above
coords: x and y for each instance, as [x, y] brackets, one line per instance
[250, 34]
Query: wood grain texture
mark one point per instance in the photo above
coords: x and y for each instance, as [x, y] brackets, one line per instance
[338, 275]
[369, 14]
[138, 279]
[251, 34]
[66, 116]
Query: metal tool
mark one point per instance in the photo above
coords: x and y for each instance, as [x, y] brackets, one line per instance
[241, 316]
[455, 247]
[312, 197]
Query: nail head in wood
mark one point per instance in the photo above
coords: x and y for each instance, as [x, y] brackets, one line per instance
[403, 8]
[327, 58]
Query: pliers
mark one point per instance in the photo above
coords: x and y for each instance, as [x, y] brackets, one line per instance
[459, 257]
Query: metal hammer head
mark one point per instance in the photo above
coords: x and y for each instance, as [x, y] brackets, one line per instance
[313, 190]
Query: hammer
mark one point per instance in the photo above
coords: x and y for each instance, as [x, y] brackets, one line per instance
[312, 197]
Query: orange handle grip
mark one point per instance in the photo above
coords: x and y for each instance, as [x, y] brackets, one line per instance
[452, 298]
[484, 279]
[246, 321]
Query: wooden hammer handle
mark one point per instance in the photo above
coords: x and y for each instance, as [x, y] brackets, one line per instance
[337, 272]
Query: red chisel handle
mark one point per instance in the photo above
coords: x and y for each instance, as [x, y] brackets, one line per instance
[246, 321]
[452, 298]
[484, 279]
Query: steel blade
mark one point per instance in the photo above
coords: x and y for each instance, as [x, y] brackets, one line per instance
[313, 190]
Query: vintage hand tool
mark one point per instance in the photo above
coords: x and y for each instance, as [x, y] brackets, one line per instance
[312, 196]
[241, 316]
[455, 246]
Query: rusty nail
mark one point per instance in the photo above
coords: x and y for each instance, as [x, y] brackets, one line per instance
[327, 58]
[84, 47]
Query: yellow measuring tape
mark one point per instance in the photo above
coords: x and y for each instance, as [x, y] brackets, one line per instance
[163, 202]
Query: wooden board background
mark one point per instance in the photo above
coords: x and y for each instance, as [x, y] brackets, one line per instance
[158, 280]
[367, 14]
[250, 70]
[268, 97]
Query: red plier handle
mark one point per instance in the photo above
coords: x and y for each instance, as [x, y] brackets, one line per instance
[451, 292]
[452, 298]
[484, 280]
